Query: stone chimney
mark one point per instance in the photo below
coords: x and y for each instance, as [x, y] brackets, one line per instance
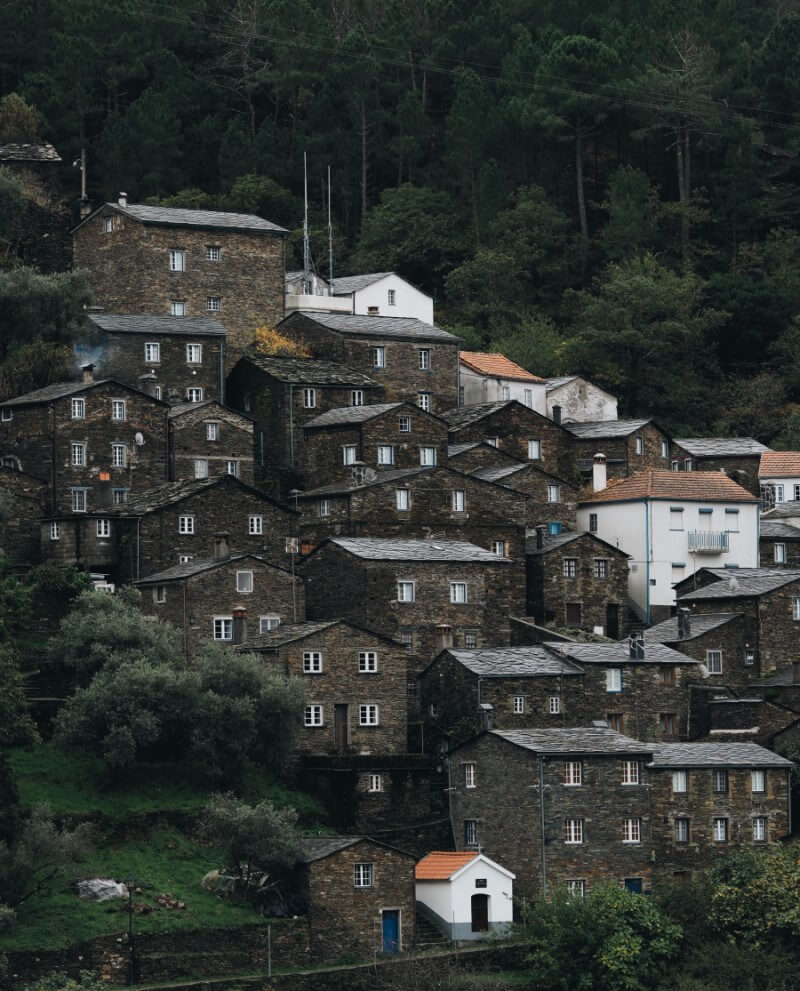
[221, 549]
[444, 637]
[87, 373]
[239, 625]
[556, 414]
[684, 623]
[599, 475]
[636, 646]
[84, 208]
[123, 199]
[541, 533]
[147, 383]
[358, 474]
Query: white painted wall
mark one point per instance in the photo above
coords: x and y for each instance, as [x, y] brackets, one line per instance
[486, 389]
[408, 300]
[451, 900]
[787, 481]
[582, 402]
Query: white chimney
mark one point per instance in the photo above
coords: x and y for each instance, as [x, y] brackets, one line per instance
[599, 476]
[123, 199]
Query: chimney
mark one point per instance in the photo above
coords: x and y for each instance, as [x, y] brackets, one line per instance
[358, 474]
[84, 208]
[104, 490]
[684, 623]
[541, 532]
[599, 477]
[147, 383]
[556, 414]
[87, 373]
[486, 715]
[221, 549]
[636, 646]
[123, 199]
[444, 637]
[239, 625]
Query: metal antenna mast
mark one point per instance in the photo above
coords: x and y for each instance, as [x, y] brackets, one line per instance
[306, 248]
[330, 238]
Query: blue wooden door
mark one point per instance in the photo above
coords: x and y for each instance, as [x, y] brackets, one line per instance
[391, 931]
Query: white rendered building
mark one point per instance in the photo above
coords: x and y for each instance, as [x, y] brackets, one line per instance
[575, 398]
[465, 895]
[383, 294]
[493, 378]
[779, 477]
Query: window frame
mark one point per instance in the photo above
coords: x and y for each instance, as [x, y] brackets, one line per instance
[470, 774]
[631, 774]
[534, 450]
[243, 580]
[402, 500]
[177, 307]
[191, 349]
[553, 493]
[117, 406]
[424, 401]
[385, 455]
[719, 829]
[779, 553]
[152, 353]
[573, 832]
[363, 875]
[270, 621]
[760, 828]
[518, 705]
[213, 304]
[313, 715]
[103, 528]
[55, 530]
[309, 397]
[80, 499]
[378, 356]
[569, 567]
[213, 253]
[349, 454]
[458, 500]
[428, 457]
[573, 774]
[186, 525]
[177, 259]
[719, 781]
[470, 832]
[424, 359]
[457, 590]
[367, 662]
[356, 397]
[613, 680]
[592, 522]
[758, 781]
[200, 466]
[601, 568]
[194, 394]
[554, 705]
[679, 783]
[714, 662]
[632, 830]
[78, 403]
[222, 625]
[682, 830]
[77, 454]
[406, 590]
[212, 430]
[375, 783]
[368, 714]
[312, 662]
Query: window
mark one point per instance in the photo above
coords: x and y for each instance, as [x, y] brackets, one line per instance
[177, 308]
[159, 595]
[719, 781]
[223, 628]
[714, 661]
[757, 781]
[357, 397]
[368, 715]
[668, 723]
[469, 775]
[152, 354]
[177, 260]
[592, 522]
[312, 715]
[119, 455]
[309, 398]
[375, 783]
[573, 773]
[405, 425]
[406, 637]
[470, 832]
[7, 415]
[666, 675]
[118, 496]
[674, 465]
[55, 531]
[367, 661]
[212, 431]
[680, 782]
[108, 225]
[499, 548]
[601, 568]
[554, 704]
[402, 500]
[157, 392]
[681, 830]
[665, 450]
[640, 445]
[379, 357]
[632, 830]
[312, 662]
[505, 393]
[323, 507]
[363, 876]
[244, 581]
[613, 679]
[104, 528]
[760, 829]
[424, 401]
[719, 829]
[749, 658]
[213, 253]
[458, 500]
[569, 567]
[349, 454]
[385, 454]
[194, 354]
[458, 592]
[534, 450]
[527, 398]
[194, 395]
[424, 359]
[406, 591]
[78, 455]
[576, 887]
[780, 553]
[554, 493]
[255, 525]
[470, 639]
[118, 409]
[200, 468]
[185, 558]
[267, 623]
[427, 457]
[186, 524]
[795, 608]
[573, 830]
[687, 465]
[390, 297]
[79, 500]
[493, 441]
[518, 705]
[732, 520]
[614, 721]
[78, 410]
[675, 518]
[630, 772]
[213, 304]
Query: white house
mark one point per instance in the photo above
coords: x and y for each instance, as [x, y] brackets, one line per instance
[779, 477]
[671, 524]
[384, 294]
[464, 894]
[493, 378]
[575, 398]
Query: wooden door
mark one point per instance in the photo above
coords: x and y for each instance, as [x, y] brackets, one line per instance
[390, 931]
[341, 725]
[612, 620]
[480, 913]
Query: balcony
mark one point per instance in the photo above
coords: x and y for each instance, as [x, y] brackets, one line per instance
[708, 541]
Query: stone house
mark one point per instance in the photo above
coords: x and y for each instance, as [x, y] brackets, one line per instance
[207, 440]
[164, 261]
[558, 807]
[415, 362]
[178, 359]
[738, 457]
[405, 589]
[89, 541]
[515, 430]
[355, 688]
[778, 544]
[576, 399]
[474, 455]
[717, 640]
[416, 502]
[711, 798]
[465, 691]
[492, 378]
[629, 446]
[22, 505]
[383, 437]
[282, 394]
[93, 442]
[549, 500]
[216, 599]
[778, 477]
[634, 687]
[360, 897]
[577, 580]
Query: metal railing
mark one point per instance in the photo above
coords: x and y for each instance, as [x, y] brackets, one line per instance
[708, 541]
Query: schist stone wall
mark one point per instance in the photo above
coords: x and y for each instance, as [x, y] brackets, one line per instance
[788, 557]
[129, 272]
[87, 541]
[210, 439]
[739, 657]
[548, 498]
[470, 457]
[24, 500]
[621, 457]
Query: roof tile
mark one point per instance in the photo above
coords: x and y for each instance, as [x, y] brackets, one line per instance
[496, 365]
[779, 463]
[697, 486]
[439, 865]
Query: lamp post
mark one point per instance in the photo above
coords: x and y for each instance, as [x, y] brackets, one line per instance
[129, 881]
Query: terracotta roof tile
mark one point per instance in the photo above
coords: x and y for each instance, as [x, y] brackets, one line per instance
[441, 864]
[496, 365]
[779, 463]
[697, 486]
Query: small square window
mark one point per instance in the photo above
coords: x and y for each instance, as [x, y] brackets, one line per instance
[367, 662]
[313, 715]
[402, 500]
[212, 431]
[499, 548]
[185, 558]
[194, 354]
[118, 409]
[103, 528]
[255, 525]
[518, 705]
[194, 395]
[576, 887]
[385, 454]
[177, 260]
[186, 524]
[177, 308]
[152, 354]
[78, 410]
[312, 662]
[405, 591]
[213, 304]
[458, 592]
[357, 397]
[554, 704]
[55, 531]
[213, 253]
[244, 581]
[223, 628]
[405, 425]
[368, 715]
[267, 623]
[363, 876]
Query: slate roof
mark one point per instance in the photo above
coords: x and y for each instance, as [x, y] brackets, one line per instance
[188, 569]
[285, 633]
[365, 326]
[192, 326]
[699, 624]
[578, 740]
[738, 585]
[343, 284]
[440, 865]
[310, 371]
[613, 654]
[28, 153]
[465, 416]
[170, 492]
[774, 529]
[779, 463]
[720, 447]
[790, 508]
[350, 414]
[180, 409]
[514, 662]
[497, 474]
[554, 541]
[207, 219]
[61, 389]
[344, 485]
[556, 383]
[689, 486]
[715, 755]
[497, 366]
[602, 429]
[387, 549]
[319, 847]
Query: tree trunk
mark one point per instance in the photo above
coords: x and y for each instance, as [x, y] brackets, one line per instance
[363, 115]
[584, 241]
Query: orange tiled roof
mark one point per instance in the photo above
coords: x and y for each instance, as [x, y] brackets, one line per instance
[697, 486]
[779, 463]
[440, 864]
[497, 365]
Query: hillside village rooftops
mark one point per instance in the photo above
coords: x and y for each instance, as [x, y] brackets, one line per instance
[346, 485]
[699, 625]
[774, 530]
[556, 540]
[118, 323]
[387, 549]
[687, 486]
[514, 662]
[738, 585]
[60, 390]
[28, 153]
[579, 740]
[715, 755]
[465, 416]
[604, 429]
[720, 447]
[292, 632]
[779, 463]
[188, 569]
[164, 216]
[310, 371]
[612, 654]
[788, 509]
[345, 284]
[377, 327]
[170, 492]
[319, 847]
[351, 414]
[181, 409]
[497, 365]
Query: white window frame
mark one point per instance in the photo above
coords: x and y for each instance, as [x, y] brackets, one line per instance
[385, 454]
[185, 558]
[313, 715]
[194, 394]
[576, 887]
[78, 410]
[349, 453]
[758, 781]
[780, 554]
[323, 507]
[186, 525]
[518, 705]
[505, 393]
[255, 526]
[152, 353]
[213, 253]
[424, 401]
[427, 457]
[222, 628]
[554, 493]
[368, 714]
[200, 468]
[390, 297]
[363, 875]
[458, 501]
[309, 398]
[470, 832]
[213, 304]
[527, 398]
[573, 831]
[232, 468]
[244, 582]
[402, 500]
[680, 782]
[719, 829]
[177, 308]
[55, 531]
[614, 679]
[177, 260]
[379, 357]
[639, 444]
[103, 528]
[554, 705]
[470, 774]
[212, 430]
[759, 829]
[119, 410]
[573, 773]
[119, 455]
[159, 595]
[194, 354]
[78, 454]
[499, 548]
[375, 783]
[632, 829]
[356, 397]
[119, 496]
[108, 225]
[796, 608]
[79, 499]
[424, 359]
[404, 425]
[312, 662]
[630, 772]
[406, 591]
[368, 662]
[534, 450]
[268, 622]
[459, 593]
[714, 661]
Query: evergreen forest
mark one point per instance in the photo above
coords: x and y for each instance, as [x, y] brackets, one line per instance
[606, 188]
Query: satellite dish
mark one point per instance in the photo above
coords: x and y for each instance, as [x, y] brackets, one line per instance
[138, 438]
